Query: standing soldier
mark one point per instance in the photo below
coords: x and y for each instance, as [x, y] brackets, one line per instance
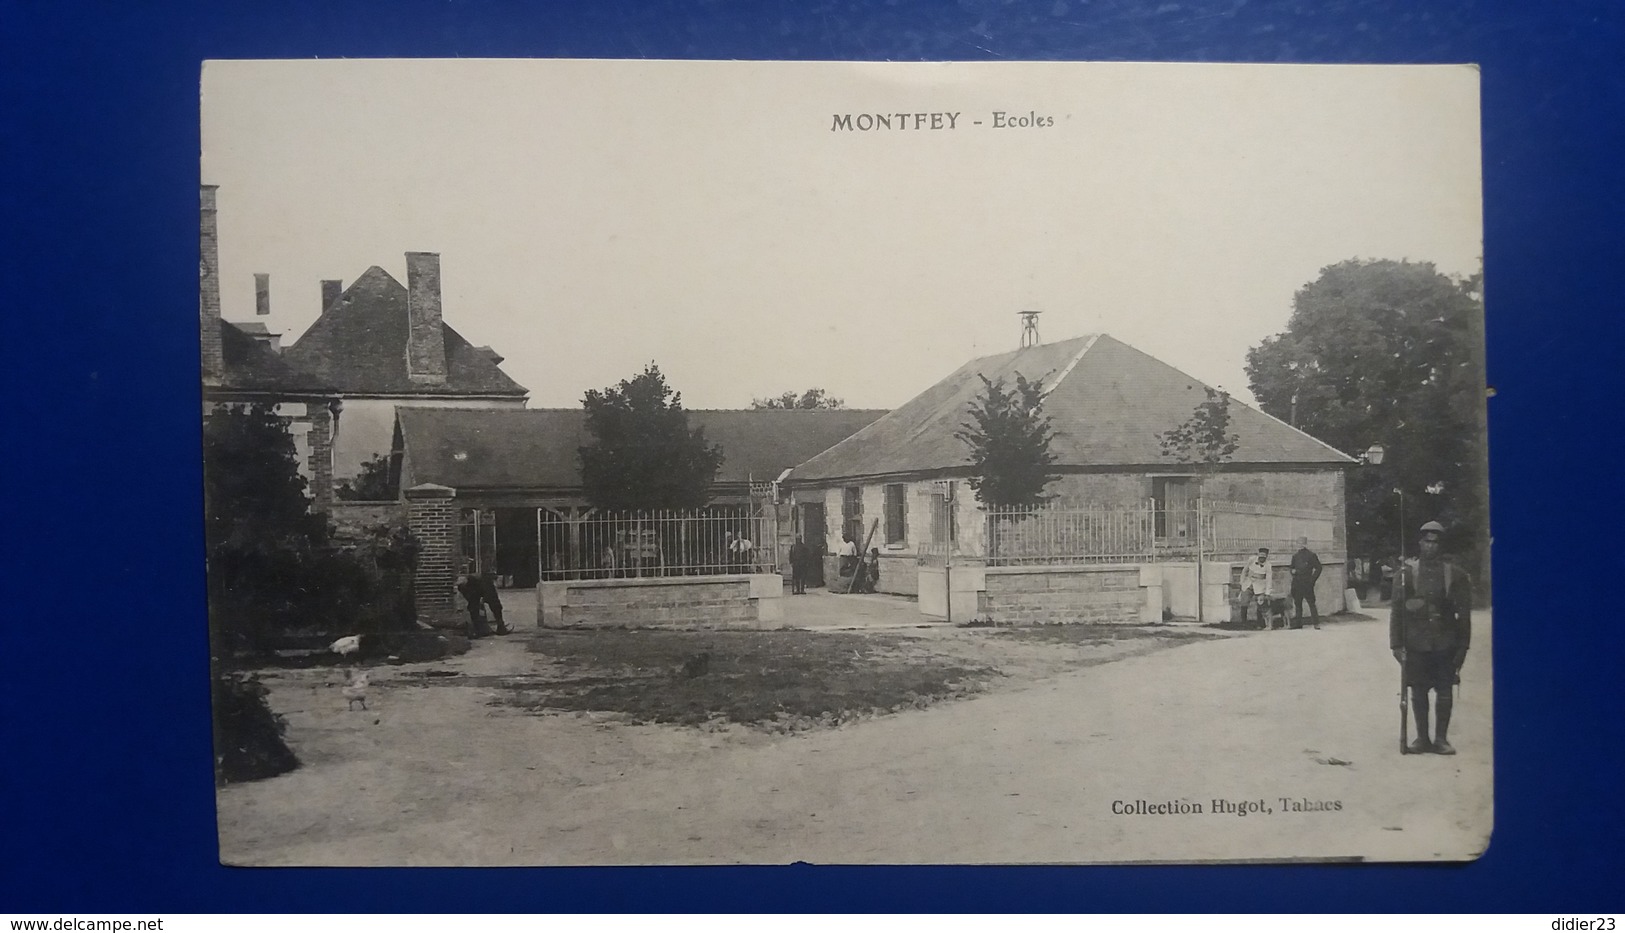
[1429, 629]
[1305, 573]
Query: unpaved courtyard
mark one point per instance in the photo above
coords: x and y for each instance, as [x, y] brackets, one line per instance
[460, 763]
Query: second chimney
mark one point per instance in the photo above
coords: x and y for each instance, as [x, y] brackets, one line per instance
[331, 290]
[425, 341]
[262, 293]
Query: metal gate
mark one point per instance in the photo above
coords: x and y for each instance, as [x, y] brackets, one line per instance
[477, 539]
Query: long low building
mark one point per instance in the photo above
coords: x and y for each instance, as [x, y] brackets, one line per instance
[517, 480]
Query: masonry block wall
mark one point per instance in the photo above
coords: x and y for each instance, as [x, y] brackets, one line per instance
[1101, 594]
[688, 603]
[431, 515]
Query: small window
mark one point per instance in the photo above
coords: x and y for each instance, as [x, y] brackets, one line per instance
[896, 515]
[852, 512]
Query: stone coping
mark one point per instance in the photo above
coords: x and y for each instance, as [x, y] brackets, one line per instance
[1062, 568]
[601, 582]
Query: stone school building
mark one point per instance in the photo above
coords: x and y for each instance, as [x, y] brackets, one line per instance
[1151, 536]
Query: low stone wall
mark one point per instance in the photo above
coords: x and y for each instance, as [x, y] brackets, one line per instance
[724, 601]
[1111, 594]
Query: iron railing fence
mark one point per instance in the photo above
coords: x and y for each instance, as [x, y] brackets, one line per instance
[1071, 533]
[1065, 532]
[660, 544]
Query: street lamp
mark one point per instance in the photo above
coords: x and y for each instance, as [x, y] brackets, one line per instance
[1373, 456]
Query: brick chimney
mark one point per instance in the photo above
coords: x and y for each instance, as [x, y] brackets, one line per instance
[331, 290]
[425, 341]
[262, 293]
[214, 364]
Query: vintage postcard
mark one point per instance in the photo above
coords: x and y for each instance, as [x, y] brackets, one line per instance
[656, 462]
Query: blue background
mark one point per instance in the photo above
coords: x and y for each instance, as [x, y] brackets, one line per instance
[105, 766]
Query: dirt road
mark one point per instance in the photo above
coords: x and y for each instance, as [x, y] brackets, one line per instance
[445, 777]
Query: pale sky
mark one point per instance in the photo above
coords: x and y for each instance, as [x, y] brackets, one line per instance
[594, 216]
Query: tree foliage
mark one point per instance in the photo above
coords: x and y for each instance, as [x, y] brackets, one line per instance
[1391, 353]
[1009, 437]
[814, 398]
[378, 481]
[271, 564]
[253, 494]
[1205, 437]
[645, 456]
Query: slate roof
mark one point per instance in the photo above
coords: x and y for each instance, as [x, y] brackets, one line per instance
[1108, 402]
[250, 366]
[359, 346]
[536, 448]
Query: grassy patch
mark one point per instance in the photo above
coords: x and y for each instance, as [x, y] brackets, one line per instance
[789, 679]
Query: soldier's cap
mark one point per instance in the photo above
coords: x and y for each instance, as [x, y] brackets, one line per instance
[1433, 527]
[1263, 550]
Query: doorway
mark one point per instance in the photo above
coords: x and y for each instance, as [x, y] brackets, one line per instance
[810, 515]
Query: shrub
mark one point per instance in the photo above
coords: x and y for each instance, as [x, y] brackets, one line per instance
[248, 743]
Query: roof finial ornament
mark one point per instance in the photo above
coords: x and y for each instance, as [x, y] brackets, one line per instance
[1029, 328]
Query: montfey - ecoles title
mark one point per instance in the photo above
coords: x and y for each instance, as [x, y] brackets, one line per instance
[940, 120]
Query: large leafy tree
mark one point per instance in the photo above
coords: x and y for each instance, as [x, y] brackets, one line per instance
[1390, 353]
[1009, 437]
[645, 456]
[814, 398]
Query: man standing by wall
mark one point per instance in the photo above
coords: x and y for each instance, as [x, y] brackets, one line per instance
[800, 557]
[1305, 573]
[1429, 630]
[1255, 587]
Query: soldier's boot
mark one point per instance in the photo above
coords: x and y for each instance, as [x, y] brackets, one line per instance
[1441, 746]
[1419, 711]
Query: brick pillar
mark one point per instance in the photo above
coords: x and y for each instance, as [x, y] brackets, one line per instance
[431, 514]
[320, 464]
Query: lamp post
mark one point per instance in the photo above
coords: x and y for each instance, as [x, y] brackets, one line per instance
[1374, 456]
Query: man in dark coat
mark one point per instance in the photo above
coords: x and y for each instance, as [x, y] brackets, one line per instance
[1305, 572]
[800, 558]
[1429, 630]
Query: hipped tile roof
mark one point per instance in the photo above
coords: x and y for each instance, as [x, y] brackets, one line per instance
[358, 345]
[1108, 402]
